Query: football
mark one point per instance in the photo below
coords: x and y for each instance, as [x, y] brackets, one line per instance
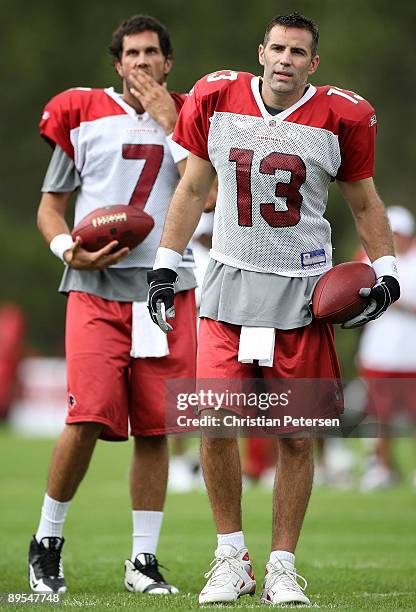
[127, 224]
[335, 298]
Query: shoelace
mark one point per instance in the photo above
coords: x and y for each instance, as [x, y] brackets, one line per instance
[50, 562]
[219, 562]
[151, 569]
[288, 577]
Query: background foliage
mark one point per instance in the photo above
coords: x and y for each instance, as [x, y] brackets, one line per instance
[48, 46]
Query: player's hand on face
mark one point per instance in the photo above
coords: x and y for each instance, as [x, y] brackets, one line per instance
[381, 296]
[154, 98]
[78, 258]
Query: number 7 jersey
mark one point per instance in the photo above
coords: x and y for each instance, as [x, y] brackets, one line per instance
[274, 170]
[122, 157]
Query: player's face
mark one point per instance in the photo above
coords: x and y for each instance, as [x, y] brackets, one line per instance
[142, 51]
[288, 62]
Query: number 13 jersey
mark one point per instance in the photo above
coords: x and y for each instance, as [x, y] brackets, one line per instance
[274, 170]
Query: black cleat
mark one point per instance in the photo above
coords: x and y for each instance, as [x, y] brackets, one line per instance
[46, 574]
[143, 576]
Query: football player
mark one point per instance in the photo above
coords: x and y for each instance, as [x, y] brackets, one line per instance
[115, 148]
[275, 142]
[387, 357]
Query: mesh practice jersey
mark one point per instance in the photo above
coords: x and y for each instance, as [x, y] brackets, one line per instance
[274, 170]
[122, 157]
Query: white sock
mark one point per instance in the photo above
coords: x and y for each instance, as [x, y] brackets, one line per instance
[282, 555]
[146, 530]
[52, 518]
[236, 539]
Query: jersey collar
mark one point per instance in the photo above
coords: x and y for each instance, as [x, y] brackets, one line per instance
[255, 88]
[129, 109]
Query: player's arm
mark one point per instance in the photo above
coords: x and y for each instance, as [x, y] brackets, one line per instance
[374, 230]
[211, 200]
[370, 217]
[187, 204]
[185, 210]
[54, 228]
[181, 167]
[51, 214]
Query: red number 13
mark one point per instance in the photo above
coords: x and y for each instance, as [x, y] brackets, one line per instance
[268, 165]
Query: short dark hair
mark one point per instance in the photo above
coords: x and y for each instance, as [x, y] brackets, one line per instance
[295, 20]
[134, 25]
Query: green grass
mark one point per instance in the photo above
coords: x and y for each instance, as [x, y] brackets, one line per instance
[357, 551]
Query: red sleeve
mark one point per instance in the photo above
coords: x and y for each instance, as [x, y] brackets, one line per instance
[66, 111]
[192, 127]
[179, 99]
[59, 117]
[214, 92]
[357, 145]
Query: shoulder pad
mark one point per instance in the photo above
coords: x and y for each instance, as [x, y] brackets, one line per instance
[218, 81]
[347, 105]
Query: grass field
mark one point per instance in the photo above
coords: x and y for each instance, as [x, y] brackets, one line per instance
[357, 551]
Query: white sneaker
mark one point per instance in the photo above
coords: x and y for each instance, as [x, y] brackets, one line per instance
[230, 577]
[378, 477]
[143, 576]
[281, 586]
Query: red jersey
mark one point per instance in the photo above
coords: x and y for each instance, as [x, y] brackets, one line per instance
[274, 170]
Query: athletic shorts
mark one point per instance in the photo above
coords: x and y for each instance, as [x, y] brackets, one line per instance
[390, 393]
[305, 353]
[105, 385]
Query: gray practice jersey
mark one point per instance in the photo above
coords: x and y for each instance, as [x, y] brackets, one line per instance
[257, 299]
[120, 284]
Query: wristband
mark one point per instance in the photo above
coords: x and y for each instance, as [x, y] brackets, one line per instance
[60, 244]
[386, 266]
[178, 153]
[167, 258]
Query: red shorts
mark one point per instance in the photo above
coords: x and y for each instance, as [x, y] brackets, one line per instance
[105, 385]
[390, 393]
[302, 353]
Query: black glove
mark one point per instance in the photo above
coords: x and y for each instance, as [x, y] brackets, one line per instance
[385, 292]
[161, 294]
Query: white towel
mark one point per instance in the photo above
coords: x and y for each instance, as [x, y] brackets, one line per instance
[147, 339]
[257, 343]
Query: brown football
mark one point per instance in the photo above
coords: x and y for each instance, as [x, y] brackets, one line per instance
[335, 298]
[127, 224]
